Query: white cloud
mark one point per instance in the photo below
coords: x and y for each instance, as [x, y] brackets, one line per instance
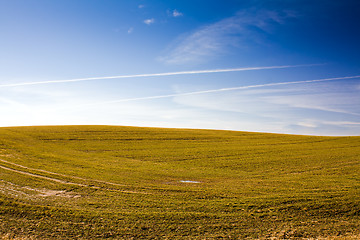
[130, 30]
[176, 13]
[149, 21]
[141, 6]
[219, 37]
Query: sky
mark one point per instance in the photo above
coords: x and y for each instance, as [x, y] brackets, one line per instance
[279, 66]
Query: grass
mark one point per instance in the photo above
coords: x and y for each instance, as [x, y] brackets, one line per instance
[89, 182]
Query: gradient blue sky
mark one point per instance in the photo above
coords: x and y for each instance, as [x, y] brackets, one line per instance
[44, 42]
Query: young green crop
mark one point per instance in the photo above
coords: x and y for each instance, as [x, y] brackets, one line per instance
[126, 182]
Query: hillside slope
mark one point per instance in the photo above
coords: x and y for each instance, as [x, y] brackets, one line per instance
[88, 182]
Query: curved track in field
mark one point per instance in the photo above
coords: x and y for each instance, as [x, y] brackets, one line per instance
[62, 175]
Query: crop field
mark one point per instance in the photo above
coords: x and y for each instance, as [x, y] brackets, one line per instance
[97, 182]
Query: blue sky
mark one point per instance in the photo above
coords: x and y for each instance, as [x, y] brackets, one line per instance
[270, 66]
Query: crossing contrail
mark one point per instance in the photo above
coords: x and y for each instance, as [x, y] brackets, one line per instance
[153, 75]
[222, 90]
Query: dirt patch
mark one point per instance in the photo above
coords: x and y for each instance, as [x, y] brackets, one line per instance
[51, 193]
[12, 189]
[189, 181]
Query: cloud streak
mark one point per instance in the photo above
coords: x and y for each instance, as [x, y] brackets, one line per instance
[224, 90]
[153, 75]
[340, 123]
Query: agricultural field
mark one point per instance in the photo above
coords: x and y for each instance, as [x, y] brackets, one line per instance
[97, 182]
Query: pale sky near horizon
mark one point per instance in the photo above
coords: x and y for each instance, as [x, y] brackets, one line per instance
[249, 65]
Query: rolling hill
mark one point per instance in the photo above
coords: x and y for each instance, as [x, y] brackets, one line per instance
[86, 182]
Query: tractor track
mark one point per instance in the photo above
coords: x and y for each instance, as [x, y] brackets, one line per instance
[63, 175]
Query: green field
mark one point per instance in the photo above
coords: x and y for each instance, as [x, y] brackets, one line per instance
[87, 182]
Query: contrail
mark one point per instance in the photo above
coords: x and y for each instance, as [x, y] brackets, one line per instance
[154, 75]
[222, 90]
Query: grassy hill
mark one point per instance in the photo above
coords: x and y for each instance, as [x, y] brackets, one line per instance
[86, 182]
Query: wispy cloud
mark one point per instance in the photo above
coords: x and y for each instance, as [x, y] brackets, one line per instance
[319, 102]
[341, 123]
[141, 6]
[130, 30]
[226, 89]
[152, 75]
[176, 13]
[218, 37]
[149, 21]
